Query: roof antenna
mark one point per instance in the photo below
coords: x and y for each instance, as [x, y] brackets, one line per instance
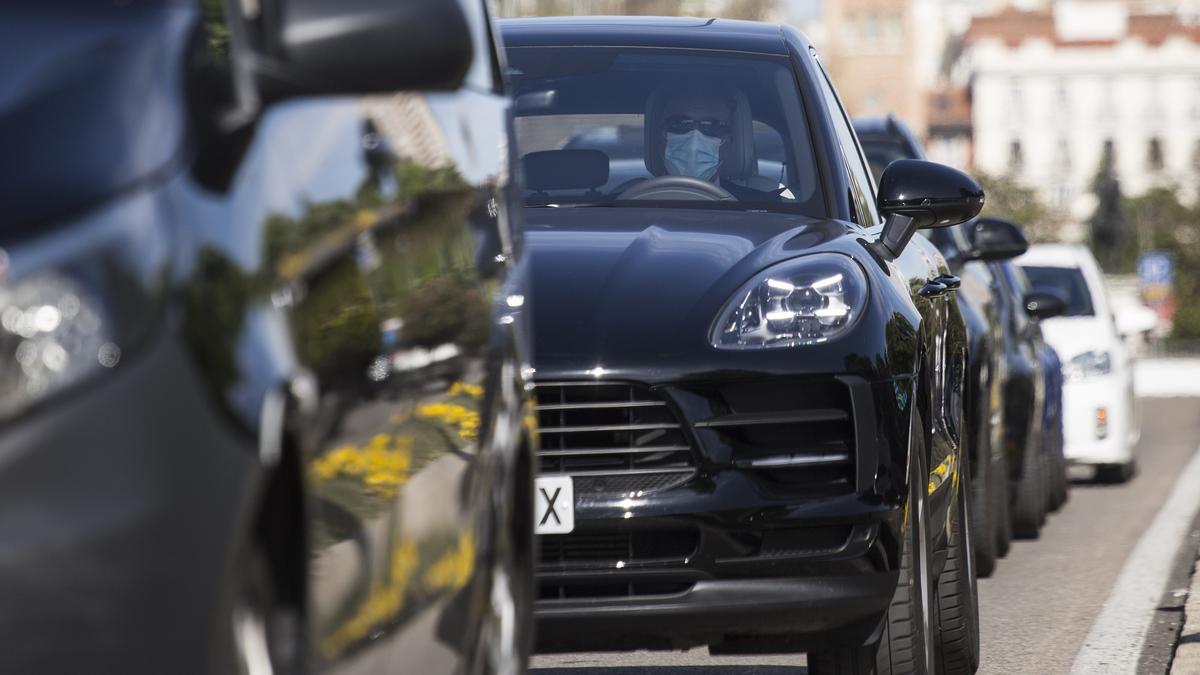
[710, 21]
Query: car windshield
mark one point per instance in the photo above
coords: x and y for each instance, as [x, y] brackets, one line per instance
[605, 126]
[1069, 282]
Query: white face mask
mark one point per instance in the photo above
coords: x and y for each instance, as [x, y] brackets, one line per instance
[693, 154]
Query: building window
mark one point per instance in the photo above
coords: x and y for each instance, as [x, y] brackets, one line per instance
[1015, 160]
[1062, 197]
[1062, 104]
[1016, 104]
[1154, 155]
[1062, 156]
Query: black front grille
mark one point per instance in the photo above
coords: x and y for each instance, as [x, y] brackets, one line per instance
[612, 438]
[610, 589]
[796, 433]
[610, 548]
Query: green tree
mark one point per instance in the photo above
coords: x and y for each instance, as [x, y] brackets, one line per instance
[1109, 230]
[1007, 198]
[1162, 222]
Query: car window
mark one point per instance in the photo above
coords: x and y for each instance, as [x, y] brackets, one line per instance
[860, 181]
[735, 121]
[881, 152]
[1069, 282]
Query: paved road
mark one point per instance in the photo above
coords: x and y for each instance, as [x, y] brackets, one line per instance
[1038, 608]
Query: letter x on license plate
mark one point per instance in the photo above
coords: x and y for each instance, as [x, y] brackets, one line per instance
[554, 511]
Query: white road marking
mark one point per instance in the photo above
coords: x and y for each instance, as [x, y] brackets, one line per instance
[1118, 635]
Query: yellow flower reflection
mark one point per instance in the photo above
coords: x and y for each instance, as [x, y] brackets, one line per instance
[465, 420]
[381, 465]
[454, 569]
[463, 388]
[383, 605]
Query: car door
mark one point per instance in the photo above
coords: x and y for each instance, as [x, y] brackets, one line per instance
[353, 269]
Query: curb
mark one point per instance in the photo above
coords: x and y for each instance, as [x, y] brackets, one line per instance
[1187, 649]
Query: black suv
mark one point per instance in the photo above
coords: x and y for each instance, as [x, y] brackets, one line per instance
[263, 341]
[1011, 392]
[749, 383]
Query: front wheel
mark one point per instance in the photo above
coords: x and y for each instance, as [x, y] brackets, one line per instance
[983, 512]
[957, 596]
[1114, 473]
[263, 635]
[906, 645]
[1029, 507]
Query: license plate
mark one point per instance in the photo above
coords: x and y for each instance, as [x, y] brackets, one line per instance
[555, 500]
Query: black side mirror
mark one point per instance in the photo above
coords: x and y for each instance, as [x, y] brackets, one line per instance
[996, 239]
[365, 46]
[916, 194]
[1042, 303]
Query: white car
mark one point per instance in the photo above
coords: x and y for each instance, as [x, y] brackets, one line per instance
[1100, 425]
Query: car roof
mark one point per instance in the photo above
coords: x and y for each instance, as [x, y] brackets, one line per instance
[642, 31]
[1055, 255]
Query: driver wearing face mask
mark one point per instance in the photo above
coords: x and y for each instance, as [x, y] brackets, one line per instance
[696, 137]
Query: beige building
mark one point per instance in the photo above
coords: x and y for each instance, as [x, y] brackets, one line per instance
[867, 47]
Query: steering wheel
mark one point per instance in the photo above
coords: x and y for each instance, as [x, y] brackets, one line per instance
[676, 188]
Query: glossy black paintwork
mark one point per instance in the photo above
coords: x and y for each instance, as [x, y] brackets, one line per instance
[634, 291]
[679, 32]
[255, 269]
[994, 355]
[932, 194]
[993, 239]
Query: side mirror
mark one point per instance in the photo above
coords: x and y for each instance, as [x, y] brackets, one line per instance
[916, 194]
[364, 46]
[996, 239]
[1044, 304]
[1135, 320]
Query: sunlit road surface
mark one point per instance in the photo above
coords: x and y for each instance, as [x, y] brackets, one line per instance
[1039, 607]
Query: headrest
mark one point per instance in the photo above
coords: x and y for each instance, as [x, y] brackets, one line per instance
[565, 169]
[739, 159]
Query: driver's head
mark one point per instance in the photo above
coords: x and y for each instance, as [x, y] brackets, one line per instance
[694, 129]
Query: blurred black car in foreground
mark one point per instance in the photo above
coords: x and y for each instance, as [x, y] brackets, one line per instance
[1010, 392]
[261, 385]
[749, 387]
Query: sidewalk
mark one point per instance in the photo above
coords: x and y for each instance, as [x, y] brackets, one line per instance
[1187, 651]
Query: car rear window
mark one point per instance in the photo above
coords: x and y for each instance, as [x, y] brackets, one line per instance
[583, 109]
[1069, 282]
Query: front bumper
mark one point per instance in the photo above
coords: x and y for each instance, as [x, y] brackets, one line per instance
[736, 552]
[118, 505]
[801, 612]
[1081, 442]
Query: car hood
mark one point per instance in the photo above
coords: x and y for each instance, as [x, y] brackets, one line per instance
[627, 283]
[1074, 335]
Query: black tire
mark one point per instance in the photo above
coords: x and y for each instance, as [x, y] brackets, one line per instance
[1029, 504]
[504, 638]
[1063, 482]
[1059, 490]
[1114, 474]
[1000, 502]
[983, 517]
[957, 597]
[905, 647]
[256, 623]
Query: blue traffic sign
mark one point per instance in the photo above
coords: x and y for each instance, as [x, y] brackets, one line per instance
[1155, 267]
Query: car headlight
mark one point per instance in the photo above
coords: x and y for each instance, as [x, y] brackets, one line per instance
[1088, 364]
[52, 333]
[804, 301]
